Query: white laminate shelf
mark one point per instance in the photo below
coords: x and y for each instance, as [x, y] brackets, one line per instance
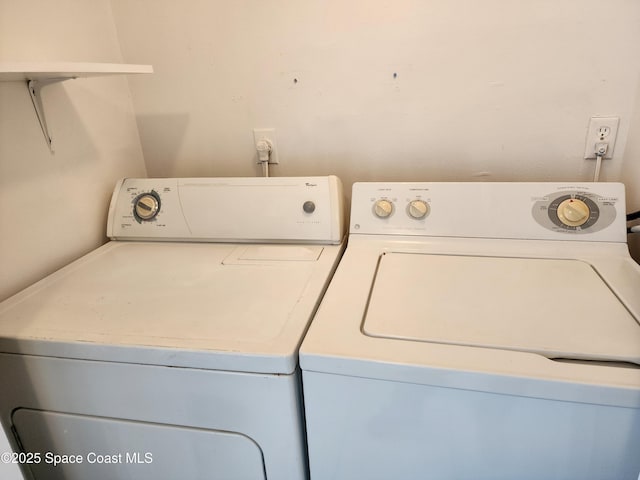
[37, 75]
[21, 71]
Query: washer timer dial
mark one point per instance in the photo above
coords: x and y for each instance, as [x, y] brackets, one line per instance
[573, 212]
[146, 206]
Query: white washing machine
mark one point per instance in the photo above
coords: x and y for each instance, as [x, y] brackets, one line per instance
[478, 331]
[171, 351]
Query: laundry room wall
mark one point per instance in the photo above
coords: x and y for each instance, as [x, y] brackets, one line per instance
[53, 207]
[382, 89]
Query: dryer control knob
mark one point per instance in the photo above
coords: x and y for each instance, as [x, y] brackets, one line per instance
[417, 209]
[146, 206]
[309, 206]
[383, 208]
[573, 212]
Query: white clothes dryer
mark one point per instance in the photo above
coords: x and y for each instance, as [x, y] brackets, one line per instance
[171, 351]
[478, 331]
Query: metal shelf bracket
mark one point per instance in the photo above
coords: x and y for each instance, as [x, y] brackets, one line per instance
[35, 92]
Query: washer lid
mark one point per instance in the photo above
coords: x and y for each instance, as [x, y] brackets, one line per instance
[561, 309]
[201, 305]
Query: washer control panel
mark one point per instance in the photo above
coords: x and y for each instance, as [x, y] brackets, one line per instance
[526, 210]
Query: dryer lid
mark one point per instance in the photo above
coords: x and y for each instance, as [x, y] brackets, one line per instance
[561, 309]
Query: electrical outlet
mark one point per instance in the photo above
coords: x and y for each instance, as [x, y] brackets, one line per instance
[601, 130]
[268, 134]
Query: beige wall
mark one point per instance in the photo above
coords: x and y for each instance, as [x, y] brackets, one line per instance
[53, 207]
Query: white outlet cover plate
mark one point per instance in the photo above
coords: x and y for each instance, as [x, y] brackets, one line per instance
[593, 135]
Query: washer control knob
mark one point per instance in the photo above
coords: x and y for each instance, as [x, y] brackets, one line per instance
[383, 208]
[418, 209]
[573, 212]
[146, 206]
[309, 206]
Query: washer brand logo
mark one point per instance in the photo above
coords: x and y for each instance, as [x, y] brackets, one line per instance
[311, 184]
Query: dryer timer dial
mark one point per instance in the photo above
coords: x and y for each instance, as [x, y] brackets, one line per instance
[146, 206]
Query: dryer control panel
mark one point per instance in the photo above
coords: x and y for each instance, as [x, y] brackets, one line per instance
[521, 210]
[275, 209]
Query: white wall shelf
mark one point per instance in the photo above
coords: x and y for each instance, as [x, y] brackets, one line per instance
[37, 75]
[19, 71]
